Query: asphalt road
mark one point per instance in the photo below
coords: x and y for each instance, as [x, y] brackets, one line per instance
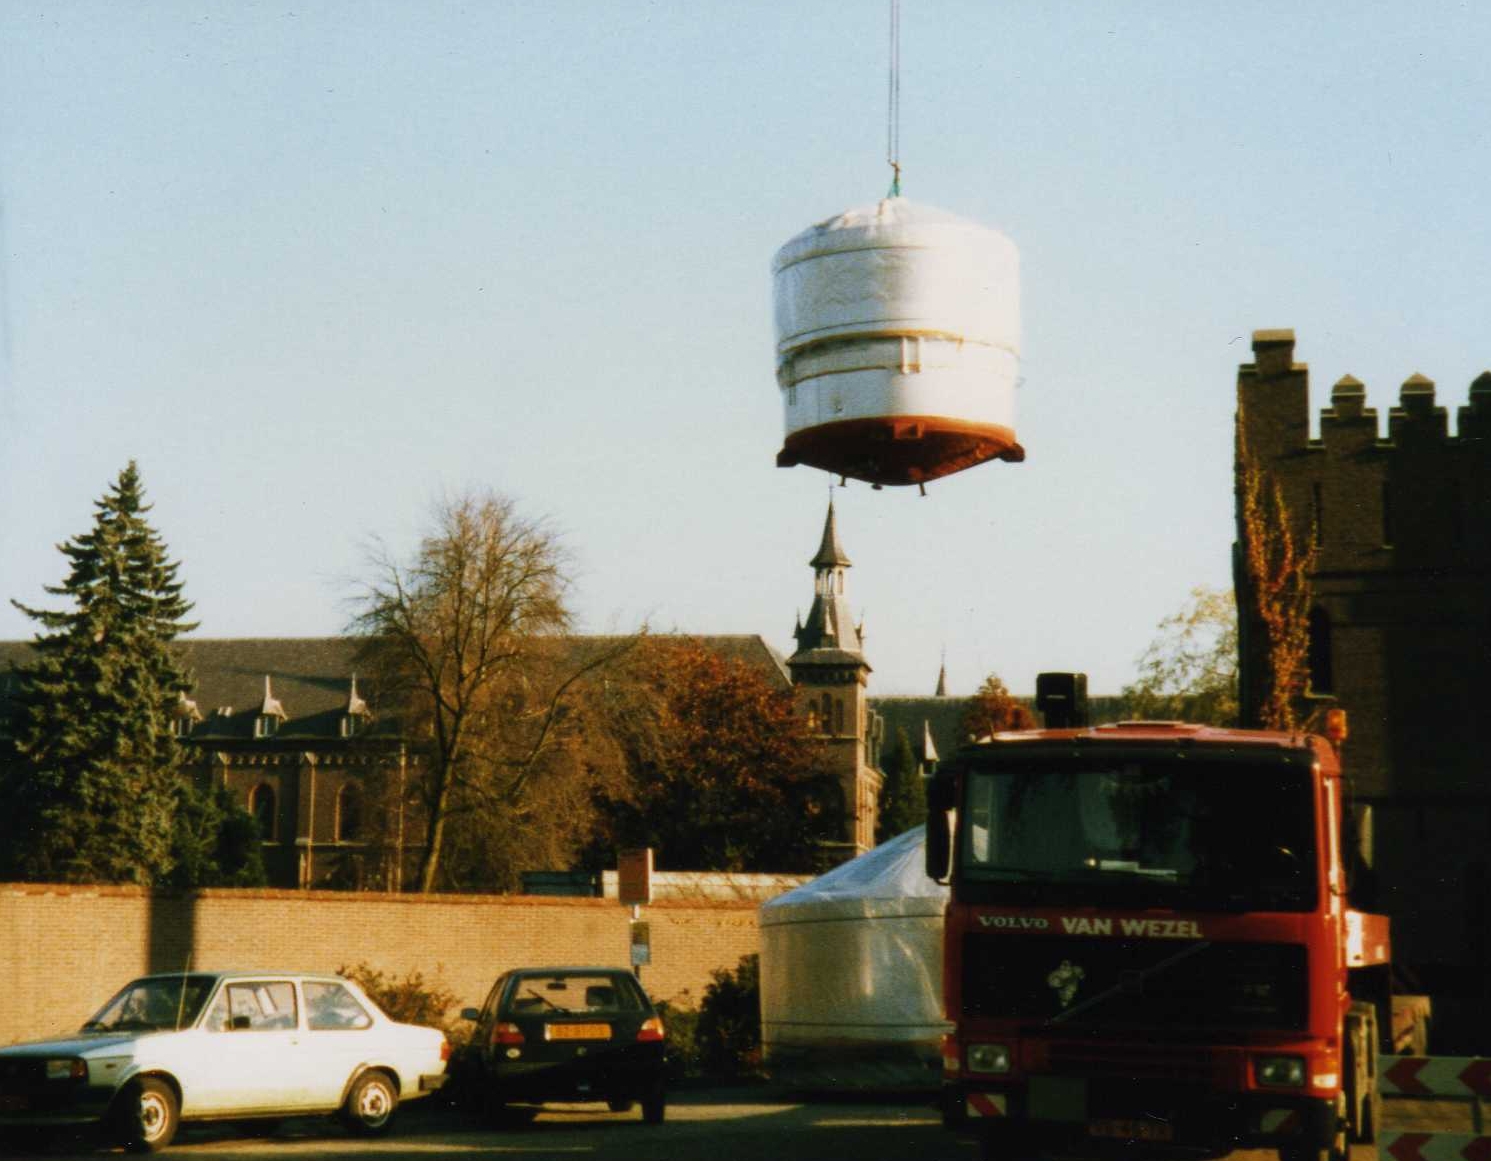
[707, 1125]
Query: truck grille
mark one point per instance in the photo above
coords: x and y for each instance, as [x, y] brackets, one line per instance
[1150, 984]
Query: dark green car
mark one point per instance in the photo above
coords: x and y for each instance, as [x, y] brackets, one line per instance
[562, 1035]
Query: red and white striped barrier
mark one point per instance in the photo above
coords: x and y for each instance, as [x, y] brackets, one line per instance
[1435, 1076]
[1464, 1078]
[1403, 1146]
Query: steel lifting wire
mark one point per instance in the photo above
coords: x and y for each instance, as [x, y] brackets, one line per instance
[893, 102]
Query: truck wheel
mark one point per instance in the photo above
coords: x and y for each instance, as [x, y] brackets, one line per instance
[370, 1105]
[1337, 1150]
[147, 1115]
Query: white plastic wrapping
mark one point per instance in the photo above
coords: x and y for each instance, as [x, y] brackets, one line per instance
[851, 972]
[897, 268]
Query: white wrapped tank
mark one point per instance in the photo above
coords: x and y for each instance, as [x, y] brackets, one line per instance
[898, 344]
[851, 974]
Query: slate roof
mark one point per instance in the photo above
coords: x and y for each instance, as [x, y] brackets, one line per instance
[311, 678]
[945, 717]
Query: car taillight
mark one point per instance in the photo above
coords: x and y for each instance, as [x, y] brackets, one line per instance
[651, 1029]
[506, 1034]
[445, 1050]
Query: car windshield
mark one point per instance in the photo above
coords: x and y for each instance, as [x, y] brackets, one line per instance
[566, 994]
[1158, 833]
[154, 1003]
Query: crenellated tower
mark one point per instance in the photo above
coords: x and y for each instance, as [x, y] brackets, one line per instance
[1399, 620]
[830, 674]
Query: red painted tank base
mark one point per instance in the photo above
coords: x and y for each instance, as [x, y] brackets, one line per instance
[898, 450]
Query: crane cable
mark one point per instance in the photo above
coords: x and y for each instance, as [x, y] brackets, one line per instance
[893, 102]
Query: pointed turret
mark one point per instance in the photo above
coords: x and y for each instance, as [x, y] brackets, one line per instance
[830, 625]
[830, 553]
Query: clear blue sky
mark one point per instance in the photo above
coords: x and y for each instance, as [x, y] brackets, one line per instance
[313, 265]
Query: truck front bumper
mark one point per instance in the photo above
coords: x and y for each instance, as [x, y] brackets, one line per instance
[1094, 1114]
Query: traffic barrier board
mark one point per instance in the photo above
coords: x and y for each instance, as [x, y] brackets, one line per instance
[1434, 1147]
[1435, 1076]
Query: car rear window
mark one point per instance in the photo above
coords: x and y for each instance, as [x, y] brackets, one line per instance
[572, 995]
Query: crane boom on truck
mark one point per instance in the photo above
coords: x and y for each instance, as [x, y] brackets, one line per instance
[1149, 940]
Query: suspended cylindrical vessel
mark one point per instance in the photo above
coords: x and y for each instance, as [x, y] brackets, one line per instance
[851, 974]
[898, 344]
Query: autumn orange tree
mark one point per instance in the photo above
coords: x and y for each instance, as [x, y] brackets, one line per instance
[1278, 563]
[724, 773]
[993, 708]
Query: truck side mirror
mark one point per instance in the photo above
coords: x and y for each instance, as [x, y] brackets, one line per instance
[938, 848]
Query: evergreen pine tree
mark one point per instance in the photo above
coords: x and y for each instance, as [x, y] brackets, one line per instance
[94, 793]
[903, 798]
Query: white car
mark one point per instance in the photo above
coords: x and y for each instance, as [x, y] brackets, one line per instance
[223, 1045]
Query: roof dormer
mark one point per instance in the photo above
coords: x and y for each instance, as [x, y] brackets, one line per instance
[355, 713]
[271, 714]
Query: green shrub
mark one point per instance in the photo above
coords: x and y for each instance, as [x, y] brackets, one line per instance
[729, 1028]
[411, 1000]
[681, 1050]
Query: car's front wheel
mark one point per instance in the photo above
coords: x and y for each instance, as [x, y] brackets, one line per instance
[147, 1114]
[370, 1105]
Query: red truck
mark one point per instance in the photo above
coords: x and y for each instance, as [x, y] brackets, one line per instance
[1151, 943]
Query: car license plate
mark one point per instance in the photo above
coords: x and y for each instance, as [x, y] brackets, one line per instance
[578, 1031]
[1145, 1130]
[14, 1104]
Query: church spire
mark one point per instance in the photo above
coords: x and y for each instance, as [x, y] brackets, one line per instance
[829, 624]
[830, 553]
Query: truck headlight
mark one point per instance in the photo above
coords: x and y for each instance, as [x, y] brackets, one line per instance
[67, 1070]
[988, 1058]
[1279, 1071]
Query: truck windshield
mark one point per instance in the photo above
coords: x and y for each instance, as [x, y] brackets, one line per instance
[1160, 833]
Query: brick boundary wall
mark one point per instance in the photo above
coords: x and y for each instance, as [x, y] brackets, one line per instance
[64, 950]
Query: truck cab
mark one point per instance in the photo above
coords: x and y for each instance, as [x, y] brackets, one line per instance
[1149, 941]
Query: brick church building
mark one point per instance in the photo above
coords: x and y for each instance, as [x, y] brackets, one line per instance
[282, 724]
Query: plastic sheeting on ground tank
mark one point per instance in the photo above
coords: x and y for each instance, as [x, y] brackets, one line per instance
[898, 344]
[851, 974]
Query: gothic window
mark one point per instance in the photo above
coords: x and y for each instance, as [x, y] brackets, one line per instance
[838, 715]
[261, 806]
[181, 726]
[826, 710]
[1322, 680]
[265, 726]
[349, 725]
[1317, 496]
[1387, 516]
[349, 814]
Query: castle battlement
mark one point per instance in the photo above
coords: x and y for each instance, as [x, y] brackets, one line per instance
[1274, 390]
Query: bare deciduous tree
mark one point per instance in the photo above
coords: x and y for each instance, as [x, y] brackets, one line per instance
[463, 643]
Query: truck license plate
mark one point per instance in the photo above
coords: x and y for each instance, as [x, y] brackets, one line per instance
[1144, 1130]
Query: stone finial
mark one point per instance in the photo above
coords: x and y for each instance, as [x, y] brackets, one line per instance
[1348, 397]
[1480, 388]
[1417, 395]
